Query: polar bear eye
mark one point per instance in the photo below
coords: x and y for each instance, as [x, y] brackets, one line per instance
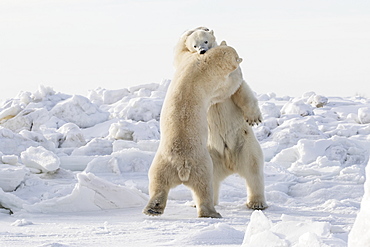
[205, 42]
[195, 46]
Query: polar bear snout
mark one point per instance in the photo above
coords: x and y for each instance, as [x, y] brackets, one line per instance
[202, 49]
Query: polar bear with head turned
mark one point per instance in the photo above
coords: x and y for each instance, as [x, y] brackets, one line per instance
[200, 41]
[197, 41]
[182, 156]
[231, 141]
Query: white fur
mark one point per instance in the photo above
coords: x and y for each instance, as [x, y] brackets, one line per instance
[182, 156]
[231, 141]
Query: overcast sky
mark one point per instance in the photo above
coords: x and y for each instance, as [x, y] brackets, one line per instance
[288, 47]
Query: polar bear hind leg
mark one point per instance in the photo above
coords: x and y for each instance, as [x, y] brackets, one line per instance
[249, 165]
[220, 172]
[162, 178]
[200, 182]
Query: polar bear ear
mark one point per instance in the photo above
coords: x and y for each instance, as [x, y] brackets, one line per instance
[223, 43]
[239, 60]
[211, 32]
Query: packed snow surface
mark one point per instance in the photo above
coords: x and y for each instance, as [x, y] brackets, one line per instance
[73, 172]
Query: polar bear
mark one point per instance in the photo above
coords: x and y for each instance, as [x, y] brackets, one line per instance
[231, 141]
[182, 156]
[194, 41]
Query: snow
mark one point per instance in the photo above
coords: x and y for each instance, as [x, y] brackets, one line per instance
[79, 110]
[360, 233]
[38, 160]
[90, 194]
[297, 107]
[364, 115]
[73, 171]
[71, 136]
[11, 176]
[22, 222]
[286, 232]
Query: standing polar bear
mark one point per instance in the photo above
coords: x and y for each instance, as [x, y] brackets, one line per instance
[182, 156]
[231, 141]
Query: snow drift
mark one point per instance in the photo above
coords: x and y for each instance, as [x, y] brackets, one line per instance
[73, 154]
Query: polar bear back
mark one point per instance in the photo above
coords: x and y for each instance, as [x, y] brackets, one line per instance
[198, 81]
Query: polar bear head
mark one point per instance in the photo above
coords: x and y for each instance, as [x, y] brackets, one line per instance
[197, 40]
[223, 57]
[200, 40]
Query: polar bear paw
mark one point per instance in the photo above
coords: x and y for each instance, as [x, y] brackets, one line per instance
[154, 210]
[209, 215]
[253, 116]
[257, 205]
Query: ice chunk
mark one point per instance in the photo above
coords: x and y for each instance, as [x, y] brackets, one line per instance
[306, 151]
[9, 159]
[259, 232]
[262, 132]
[75, 163]
[96, 146]
[269, 109]
[121, 130]
[105, 96]
[288, 232]
[72, 136]
[12, 143]
[317, 100]
[292, 130]
[139, 109]
[346, 151]
[144, 145]
[360, 233]
[297, 107]
[144, 109]
[265, 239]
[11, 176]
[309, 239]
[216, 234]
[364, 115]
[126, 160]
[11, 202]
[149, 86]
[134, 131]
[266, 97]
[258, 223]
[28, 119]
[22, 222]
[79, 110]
[40, 159]
[38, 138]
[293, 230]
[43, 92]
[90, 194]
[332, 156]
[9, 112]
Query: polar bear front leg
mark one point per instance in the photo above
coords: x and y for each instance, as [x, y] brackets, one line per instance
[247, 102]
